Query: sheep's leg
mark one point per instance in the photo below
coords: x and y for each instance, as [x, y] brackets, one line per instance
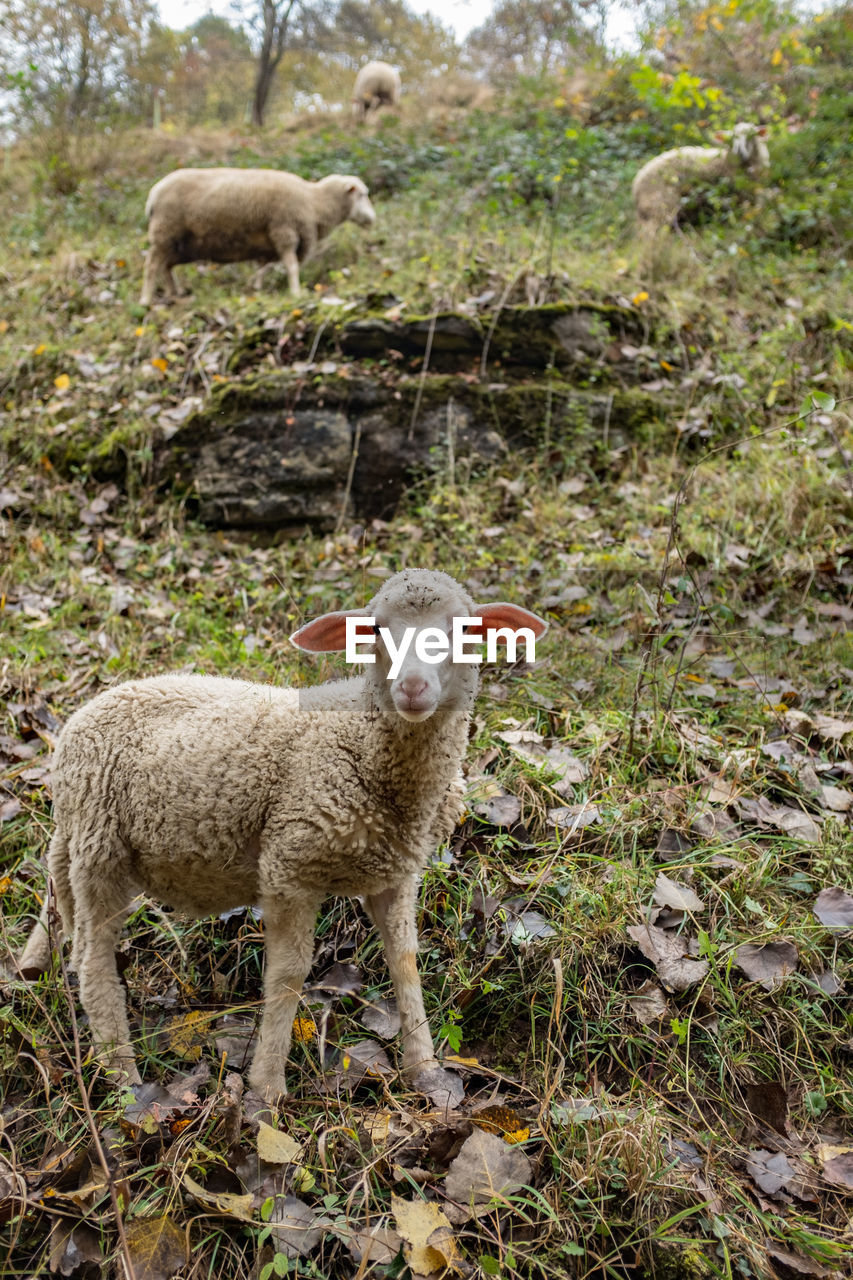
[285, 241]
[153, 264]
[58, 901]
[98, 925]
[289, 929]
[393, 913]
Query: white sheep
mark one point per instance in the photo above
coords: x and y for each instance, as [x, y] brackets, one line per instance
[232, 215]
[208, 794]
[377, 84]
[660, 186]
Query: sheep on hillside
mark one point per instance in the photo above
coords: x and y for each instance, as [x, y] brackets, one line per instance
[231, 215]
[660, 186]
[208, 794]
[377, 84]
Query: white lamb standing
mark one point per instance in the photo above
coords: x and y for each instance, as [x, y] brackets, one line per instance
[208, 794]
[234, 215]
[377, 84]
[659, 187]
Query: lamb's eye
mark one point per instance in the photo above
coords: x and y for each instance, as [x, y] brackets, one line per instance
[376, 628]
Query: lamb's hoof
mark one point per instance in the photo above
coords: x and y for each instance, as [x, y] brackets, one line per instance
[271, 1088]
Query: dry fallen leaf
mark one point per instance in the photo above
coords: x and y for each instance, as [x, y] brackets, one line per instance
[769, 963]
[226, 1203]
[73, 1248]
[669, 893]
[295, 1227]
[837, 1164]
[157, 1247]
[648, 1004]
[428, 1240]
[444, 1088]
[382, 1018]
[668, 954]
[277, 1147]
[772, 1172]
[484, 1169]
[834, 908]
[378, 1243]
[837, 799]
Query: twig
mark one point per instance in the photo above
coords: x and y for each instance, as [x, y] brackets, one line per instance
[350, 474]
[424, 367]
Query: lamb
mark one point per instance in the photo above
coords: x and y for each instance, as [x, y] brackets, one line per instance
[208, 793]
[659, 187]
[377, 84]
[231, 215]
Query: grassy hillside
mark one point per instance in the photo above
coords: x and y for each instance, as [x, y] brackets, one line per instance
[678, 758]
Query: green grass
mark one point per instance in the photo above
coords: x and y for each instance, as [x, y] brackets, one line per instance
[755, 569]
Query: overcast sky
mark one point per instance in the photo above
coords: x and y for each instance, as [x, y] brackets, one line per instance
[460, 15]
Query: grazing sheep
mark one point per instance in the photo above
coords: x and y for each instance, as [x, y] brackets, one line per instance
[377, 84]
[231, 215]
[659, 187]
[208, 794]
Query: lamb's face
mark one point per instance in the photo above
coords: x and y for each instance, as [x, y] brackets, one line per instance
[361, 211]
[745, 141]
[414, 658]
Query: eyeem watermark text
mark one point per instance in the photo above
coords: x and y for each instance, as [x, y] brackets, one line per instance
[432, 645]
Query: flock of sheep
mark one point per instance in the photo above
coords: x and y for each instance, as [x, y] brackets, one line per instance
[265, 215]
[210, 793]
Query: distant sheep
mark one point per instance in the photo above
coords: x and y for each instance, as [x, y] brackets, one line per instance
[660, 186]
[377, 84]
[233, 215]
[208, 794]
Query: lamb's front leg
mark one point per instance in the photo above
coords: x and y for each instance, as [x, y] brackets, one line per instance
[289, 932]
[393, 913]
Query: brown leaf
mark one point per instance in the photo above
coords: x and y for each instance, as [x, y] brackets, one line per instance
[295, 1227]
[342, 979]
[484, 1169]
[73, 1248]
[648, 1004]
[671, 844]
[828, 728]
[769, 963]
[379, 1242]
[670, 893]
[668, 954]
[574, 817]
[791, 1265]
[838, 799]
[444, 1088]
[501, 810]
[837, 1163]
[834, 908]
[157, 1247]
[382, 1018]
[772, 1172]
[363, 1059]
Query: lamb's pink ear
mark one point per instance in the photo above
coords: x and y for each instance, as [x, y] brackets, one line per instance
[503, 614]
[326, 634]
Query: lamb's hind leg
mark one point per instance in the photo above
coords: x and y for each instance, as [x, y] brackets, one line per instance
[35, 958]
[393, 913]
[100, 903]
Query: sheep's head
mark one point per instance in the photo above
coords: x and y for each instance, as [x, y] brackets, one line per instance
[412, 641]
[748, 145]
[355, 202]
